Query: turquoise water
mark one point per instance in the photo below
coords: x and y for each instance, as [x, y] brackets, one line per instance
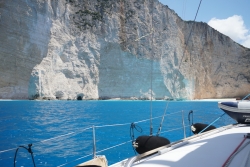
[61, 131]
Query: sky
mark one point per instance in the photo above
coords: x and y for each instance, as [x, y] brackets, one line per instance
[230, 17]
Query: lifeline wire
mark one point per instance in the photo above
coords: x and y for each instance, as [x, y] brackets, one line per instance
[46, 140]
[96, 152]
[74, 133]
[175, 129]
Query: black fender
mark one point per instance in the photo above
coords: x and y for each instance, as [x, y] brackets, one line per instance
[146, 143]
[198, 127]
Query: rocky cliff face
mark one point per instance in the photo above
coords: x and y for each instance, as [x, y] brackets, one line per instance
[102, 49]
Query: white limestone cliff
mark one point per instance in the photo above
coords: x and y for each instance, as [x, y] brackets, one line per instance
[93, 49]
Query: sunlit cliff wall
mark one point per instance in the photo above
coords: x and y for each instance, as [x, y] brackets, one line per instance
[103, 49]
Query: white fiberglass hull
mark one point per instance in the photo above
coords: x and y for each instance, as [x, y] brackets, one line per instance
[212, 148]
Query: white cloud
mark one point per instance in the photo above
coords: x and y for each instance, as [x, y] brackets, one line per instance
[233, 27]
[246, 42]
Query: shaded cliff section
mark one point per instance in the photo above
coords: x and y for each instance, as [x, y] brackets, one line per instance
[102, 49]
[25, 34]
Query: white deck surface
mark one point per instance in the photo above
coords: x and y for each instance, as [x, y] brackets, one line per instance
[210, 151]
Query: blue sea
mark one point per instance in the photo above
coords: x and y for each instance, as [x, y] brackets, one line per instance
[61, 132]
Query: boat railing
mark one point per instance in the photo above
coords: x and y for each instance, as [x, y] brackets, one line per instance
[95, 151]
[174, 145]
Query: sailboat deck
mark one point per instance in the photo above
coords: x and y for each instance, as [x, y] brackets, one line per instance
[212, 149]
